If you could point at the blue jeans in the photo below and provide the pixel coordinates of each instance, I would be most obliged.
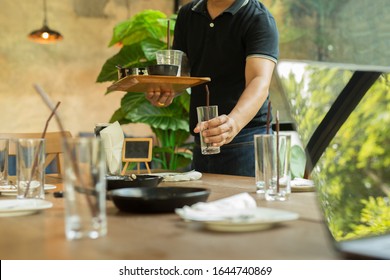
(235, 158)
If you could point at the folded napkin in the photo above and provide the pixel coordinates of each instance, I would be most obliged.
(302, 182)
(222, 209)
(187, 176)
(113, 138)
(302, 185)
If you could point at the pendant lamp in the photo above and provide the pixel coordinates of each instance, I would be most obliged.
(45, 35)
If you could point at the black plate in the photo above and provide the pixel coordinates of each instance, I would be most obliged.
(156, 200)
(119, 182)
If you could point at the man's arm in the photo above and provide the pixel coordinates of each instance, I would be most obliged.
(258, 75)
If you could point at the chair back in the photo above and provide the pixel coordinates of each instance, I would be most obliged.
(53, 145)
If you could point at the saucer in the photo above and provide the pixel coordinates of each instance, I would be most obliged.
(19, 207)
(244, 220)
(11, 189)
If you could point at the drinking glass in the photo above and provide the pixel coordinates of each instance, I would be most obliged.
(206, 113)
(30, 167)
(85, 188)
(272, 166)
(171, 57)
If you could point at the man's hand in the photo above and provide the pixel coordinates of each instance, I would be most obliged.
(159, 96)
(218, 131)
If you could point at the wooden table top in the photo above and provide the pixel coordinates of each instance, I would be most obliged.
(167, 236)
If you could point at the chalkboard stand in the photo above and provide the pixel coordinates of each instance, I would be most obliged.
(137, 150)
(138, 167)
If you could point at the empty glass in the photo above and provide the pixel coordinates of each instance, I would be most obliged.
(30, 168)
(206, 113)
(272, 166)
(85, 188)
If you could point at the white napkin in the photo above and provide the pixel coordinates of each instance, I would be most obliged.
(113, 138)
(222, 209)
(302, 182)
(187, 176)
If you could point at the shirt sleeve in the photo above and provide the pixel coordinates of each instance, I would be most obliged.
(262, 39)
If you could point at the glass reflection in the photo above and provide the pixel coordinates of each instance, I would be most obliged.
(353, 174)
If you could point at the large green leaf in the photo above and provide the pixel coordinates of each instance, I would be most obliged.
(135, 55)
(298, 161)
(118, 116)
(131, 101)
(136, 108)
(162, 118)
(172, 138)
(145, 25)
(149, 47)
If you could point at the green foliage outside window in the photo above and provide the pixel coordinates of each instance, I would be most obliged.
(360, 150)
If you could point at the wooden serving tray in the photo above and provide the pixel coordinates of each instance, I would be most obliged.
(144, 83)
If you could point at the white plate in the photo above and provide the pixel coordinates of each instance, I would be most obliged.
(11, 189)
(253, 219)
(19, 207)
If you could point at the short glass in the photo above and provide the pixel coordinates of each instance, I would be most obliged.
(30, 168)
(272, 166)
(85, 188)
(206, 113)
(171, 57)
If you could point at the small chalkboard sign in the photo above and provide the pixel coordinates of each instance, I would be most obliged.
(137, 150)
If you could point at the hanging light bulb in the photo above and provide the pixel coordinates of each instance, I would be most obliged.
(45, 35)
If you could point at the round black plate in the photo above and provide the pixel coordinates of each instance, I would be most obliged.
(156, 200)
(119, 182)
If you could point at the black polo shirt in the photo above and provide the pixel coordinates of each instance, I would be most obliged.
(218, 49)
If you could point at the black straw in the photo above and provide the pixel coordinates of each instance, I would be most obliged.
(207, 103)
(168, 35)
(76, 170)
(35, 163)
(268, 116)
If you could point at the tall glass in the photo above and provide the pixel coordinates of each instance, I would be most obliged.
(30, 168)
(206, 113)
(272, 166)
(85, 188)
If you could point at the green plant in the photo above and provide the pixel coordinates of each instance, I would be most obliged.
(141, 36)
(297, 161)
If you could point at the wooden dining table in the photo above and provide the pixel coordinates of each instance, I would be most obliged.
(166, 236)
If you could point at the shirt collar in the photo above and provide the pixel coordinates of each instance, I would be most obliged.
(201, 6)
(237, 5)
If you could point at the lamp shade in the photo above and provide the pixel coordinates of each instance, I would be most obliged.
(45, 35)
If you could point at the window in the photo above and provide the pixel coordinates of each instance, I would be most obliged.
(333, 82)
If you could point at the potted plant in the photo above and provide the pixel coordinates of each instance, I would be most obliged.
(140, 37)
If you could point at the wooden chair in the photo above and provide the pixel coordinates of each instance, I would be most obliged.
(53, 146)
